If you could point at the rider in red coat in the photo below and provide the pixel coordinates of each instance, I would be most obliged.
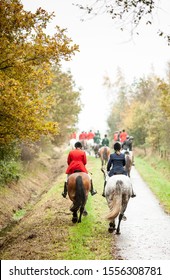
(76, 163)
(123, 136)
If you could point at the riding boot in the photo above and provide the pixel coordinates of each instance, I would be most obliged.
(93, 192)
(64, 193)
(103, 194)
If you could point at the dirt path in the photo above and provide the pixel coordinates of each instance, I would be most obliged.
(146, 233)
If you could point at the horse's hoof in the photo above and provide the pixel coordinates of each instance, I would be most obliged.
(110, 229)
(85, 213)
(124, 218)
(93, 192)
(74, 220)
(112, 225)
(118, 232)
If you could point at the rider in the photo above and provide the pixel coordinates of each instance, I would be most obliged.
(105, 141)
(76, 163)
(123, 136)
(97, 137)
(127, 146)
(116, 164)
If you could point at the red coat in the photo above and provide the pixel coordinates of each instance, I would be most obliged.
(90, 135)
(123, 136)
(76, 161)
(115, 137)
(73, 135)
(82, 136)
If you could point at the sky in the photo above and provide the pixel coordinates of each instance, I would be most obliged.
(104, 49)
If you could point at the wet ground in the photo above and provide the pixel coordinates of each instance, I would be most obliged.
(146, 233)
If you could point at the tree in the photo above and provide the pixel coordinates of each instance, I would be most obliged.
(164, 89)
(126, 13)
(119, 101)
(27, 56)
(66, 106)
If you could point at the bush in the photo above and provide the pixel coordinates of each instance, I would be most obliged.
(10, 171)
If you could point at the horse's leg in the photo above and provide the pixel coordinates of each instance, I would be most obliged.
(112, 226)
(118, 226)
(81, 212)
(75, 217)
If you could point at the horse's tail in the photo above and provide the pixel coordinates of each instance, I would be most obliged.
(105, 155)
(115, 201)
(80, 197)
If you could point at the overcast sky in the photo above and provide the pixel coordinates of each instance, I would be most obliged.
(103, 49)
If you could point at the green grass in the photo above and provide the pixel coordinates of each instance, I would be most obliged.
(90, 239)
(19, 214)
(156, 175)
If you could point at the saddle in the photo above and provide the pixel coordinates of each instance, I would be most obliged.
(76, 171)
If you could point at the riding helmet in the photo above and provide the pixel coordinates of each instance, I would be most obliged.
(78, 145)
(117, 146)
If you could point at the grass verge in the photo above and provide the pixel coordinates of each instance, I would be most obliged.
(90, 240)
(155, 173)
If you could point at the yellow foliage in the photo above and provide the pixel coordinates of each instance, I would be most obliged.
(27, 55)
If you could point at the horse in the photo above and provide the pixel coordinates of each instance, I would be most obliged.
(90, 145)
(104, 153)
(128, 165)
(78, 186)
(96, 148)
(84, 143)
(118, 191)
(72, 143)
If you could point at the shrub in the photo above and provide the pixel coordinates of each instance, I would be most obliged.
(10, 171)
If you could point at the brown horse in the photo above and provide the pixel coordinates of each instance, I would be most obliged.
(78, 186)
(104, 154)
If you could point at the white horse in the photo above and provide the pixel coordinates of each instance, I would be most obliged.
(90, 145)
(118, 190)
(72, 143)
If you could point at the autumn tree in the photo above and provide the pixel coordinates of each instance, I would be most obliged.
(119, 101)
(27, 56)
(66, 106)
(127, 14)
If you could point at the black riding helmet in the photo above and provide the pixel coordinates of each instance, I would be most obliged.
(78, 145)
(117, 146)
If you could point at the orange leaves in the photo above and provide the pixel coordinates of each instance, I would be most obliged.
(27, 54)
